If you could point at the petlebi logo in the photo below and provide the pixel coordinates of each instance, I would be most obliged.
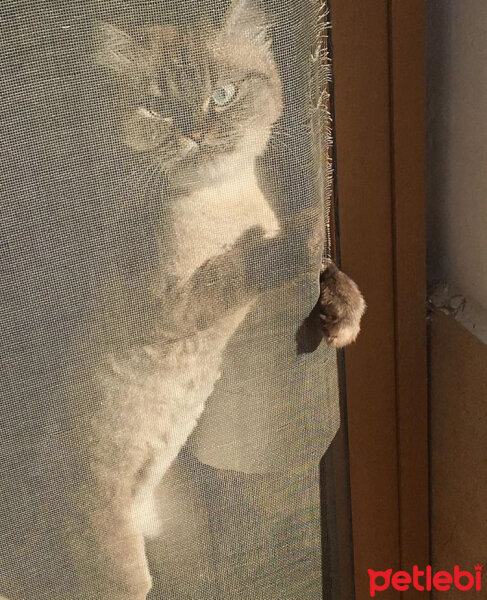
(426, 580)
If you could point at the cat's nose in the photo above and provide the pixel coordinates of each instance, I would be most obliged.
(196, 135)
(192, 127)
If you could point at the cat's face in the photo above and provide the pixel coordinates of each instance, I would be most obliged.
(199, 101)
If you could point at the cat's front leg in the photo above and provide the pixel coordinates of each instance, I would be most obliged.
(340, 306)
(108, 548)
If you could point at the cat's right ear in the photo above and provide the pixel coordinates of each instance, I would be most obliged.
(245, 18)
(114, 48)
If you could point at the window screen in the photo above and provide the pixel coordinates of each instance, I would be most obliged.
(164, 215)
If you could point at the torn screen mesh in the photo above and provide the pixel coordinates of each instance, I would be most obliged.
(165, 196)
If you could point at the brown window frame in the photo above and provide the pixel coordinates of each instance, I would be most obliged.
(378, 97)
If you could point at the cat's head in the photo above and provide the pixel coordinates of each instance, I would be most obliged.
(199, 100)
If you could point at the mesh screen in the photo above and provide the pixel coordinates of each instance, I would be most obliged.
(164, 215)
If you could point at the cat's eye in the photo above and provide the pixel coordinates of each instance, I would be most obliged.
(148, 109)
(224, 94)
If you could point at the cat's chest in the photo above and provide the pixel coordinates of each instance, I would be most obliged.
(209, 221)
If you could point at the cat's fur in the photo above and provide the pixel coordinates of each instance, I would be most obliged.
(174, 300)
(150, 395)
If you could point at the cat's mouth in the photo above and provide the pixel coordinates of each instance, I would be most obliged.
(193, 159)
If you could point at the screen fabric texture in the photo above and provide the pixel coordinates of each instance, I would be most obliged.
(164, 207)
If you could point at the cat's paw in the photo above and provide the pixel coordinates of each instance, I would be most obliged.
(340, 306)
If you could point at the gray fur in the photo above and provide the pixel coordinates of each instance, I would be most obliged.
(148, 390)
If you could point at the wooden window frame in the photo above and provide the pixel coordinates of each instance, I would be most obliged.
(378, 105)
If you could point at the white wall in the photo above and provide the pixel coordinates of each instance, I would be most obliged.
(457, 144)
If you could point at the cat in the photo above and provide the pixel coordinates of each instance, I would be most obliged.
(196, 107)
(199, 105)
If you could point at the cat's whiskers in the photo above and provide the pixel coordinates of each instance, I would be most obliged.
(292, 129)
(139, 182)
(143, 182)
(278, 133)
(301, 163)
(136, 175)
(276, 139)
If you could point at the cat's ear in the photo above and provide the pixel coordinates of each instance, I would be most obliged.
(114, 48)
(245, 18)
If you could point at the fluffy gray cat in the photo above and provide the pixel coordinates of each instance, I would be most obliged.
(197, 105)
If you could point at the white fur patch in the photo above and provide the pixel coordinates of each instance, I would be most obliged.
(174, 396)
(346, 336)
(348, 333)
(210, 220)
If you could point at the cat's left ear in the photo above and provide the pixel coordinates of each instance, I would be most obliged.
(114, 48)
(245, 18)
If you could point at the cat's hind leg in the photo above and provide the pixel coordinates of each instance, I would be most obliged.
(107, 546)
